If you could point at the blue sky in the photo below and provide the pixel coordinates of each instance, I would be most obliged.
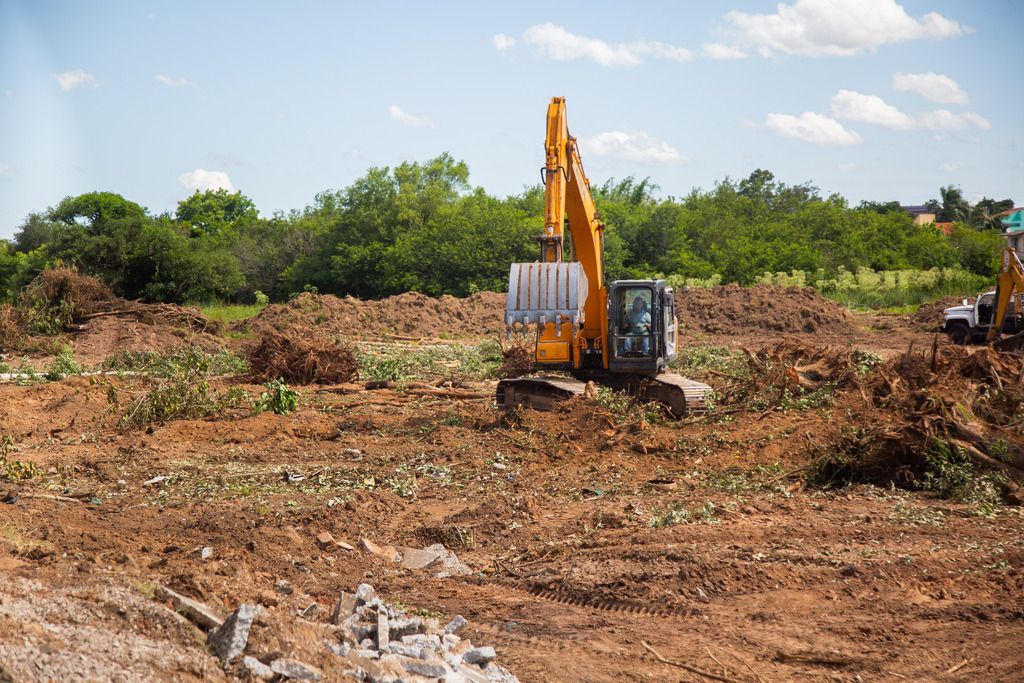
(868, 99)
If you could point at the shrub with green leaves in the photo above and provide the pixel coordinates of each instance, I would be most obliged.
(277, 398)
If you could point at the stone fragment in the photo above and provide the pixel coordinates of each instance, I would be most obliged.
(455, 625)
(197, 612)
(481, 656)
(421, 667)
(365, 595)
(284, 588)
(383, 630)
(496, 674)
(256, 668)
(206, 553)
(368, 651)
(325, 541)
(388, 552)
(449, 641)
(266, 598)
(467, 674)
(427, 641)
(344, 546)
(344, 608)
(448, 563)
(293, 668)
(310, 611)
(407, 626)
(418, 559)
(228, 641)
(413, 651)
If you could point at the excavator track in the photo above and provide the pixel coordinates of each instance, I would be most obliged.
(680, 395)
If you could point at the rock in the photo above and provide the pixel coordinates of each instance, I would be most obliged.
(266, 598)
(293, 668)
(344, 546)
(420, 667)
(197, 612)
(284, 588)
(365, 595)
(206, 553)
(256, 668)
(496, 674)
(383, 630)
(325, 541)
(455, 625)
(481, 656)
(310, 611)
(228, 641)
(407, 626)
(427, 641)
(408, 650)
(447, 562)
(418, 559)
(467, 674)
(344, 608)
(387, 552)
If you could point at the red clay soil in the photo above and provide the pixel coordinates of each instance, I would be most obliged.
(743, 570)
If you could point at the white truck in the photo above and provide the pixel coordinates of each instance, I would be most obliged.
(971, 323)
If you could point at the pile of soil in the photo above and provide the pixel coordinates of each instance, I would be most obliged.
(928, 316)
(299, 359)
(726, 309)
(734, 310)
(410, 314)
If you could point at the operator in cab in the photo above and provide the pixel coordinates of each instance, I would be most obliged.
(639, 324)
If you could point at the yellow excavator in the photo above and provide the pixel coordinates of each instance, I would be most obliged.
(1010, 281)
(994, 313)
(618, 333)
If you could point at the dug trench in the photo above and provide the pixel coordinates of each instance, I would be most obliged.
(810, 527)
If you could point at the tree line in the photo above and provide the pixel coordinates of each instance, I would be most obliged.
(423, 227)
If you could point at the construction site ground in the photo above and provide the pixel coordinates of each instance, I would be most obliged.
(730, 566)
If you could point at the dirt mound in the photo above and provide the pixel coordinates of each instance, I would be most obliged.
(298, 359)
(410, 314)
(928, 316)
(734, 310)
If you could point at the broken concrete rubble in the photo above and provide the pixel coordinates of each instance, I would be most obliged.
(228, 641)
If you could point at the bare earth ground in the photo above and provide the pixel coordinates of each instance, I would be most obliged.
(767, 579)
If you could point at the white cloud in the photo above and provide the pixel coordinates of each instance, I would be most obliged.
(173, 82)
(854, 106)
(722, 51)
(932, 86)
(410, 119)
(847, 167)
(73, 79)
(844, 28)
(5, 170)
(503, 42)
(634, 146)
(203, 181)
(870, 109)
(945, 120)
(560, 45)
(811, 127)
(949, 166)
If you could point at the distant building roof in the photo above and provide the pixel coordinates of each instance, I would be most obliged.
(946, 228)
(1007, 212)
(918, 210)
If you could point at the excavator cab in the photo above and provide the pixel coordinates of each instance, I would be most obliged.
(641, 325)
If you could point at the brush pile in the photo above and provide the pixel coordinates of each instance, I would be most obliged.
(301, 359)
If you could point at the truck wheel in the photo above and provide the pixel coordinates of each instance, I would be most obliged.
(959, 333)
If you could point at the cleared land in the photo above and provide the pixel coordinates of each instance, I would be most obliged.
(847, 511)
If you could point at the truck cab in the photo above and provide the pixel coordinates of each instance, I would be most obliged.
(970, 323)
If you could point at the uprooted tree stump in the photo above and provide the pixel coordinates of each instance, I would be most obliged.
(300, 359)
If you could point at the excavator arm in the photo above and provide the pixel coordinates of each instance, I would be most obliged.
(567, 195)
(1010, 281)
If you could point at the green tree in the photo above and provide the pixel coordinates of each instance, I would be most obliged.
(209, 212)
